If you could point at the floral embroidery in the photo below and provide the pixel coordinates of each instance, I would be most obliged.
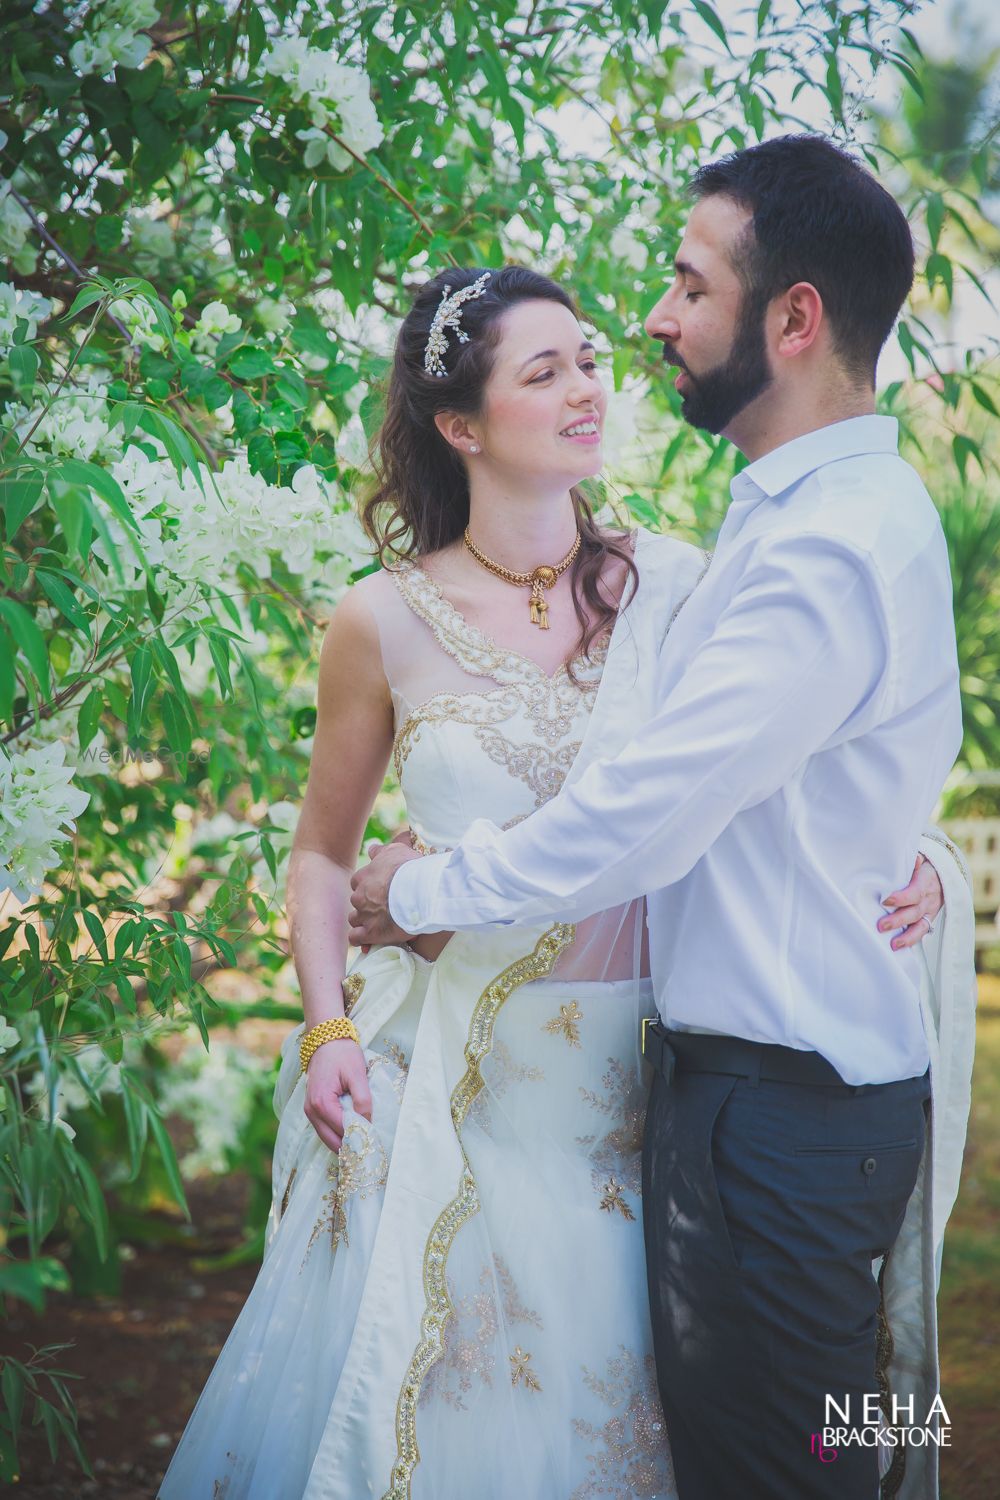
(352, 987)
(360, 1169)
(541, 769)
(612, 1199)
(500, 1073)
(285, 1194)
(471, 1335)
(521, 1371)
(455, 708)
(220, 1487)
(617, 1155)
(565, 1023)
(630, 1459)
(391, 1057)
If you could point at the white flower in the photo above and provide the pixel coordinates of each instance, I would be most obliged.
(218, 1092)
(111, 36)
(15, 228)
(150, 241)
(9, 1035)
(75, 424)
(625, 246)
(140, 322)
(16, 304)
(337, 96)
(38, 805)
(215, 320)
(352, 445)
(274, 313)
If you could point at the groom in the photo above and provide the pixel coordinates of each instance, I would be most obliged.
(809, 713)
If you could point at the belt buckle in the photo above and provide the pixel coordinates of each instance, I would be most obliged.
(662, 1057)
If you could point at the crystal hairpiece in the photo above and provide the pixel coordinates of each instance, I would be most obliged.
(449, 315)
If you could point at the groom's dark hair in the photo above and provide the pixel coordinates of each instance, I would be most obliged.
(818, 216)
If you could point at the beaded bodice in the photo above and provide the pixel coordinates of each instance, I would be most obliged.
(480, 731)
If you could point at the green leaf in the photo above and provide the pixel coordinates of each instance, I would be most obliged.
(96, 929)
(29, 638)
(256, 35)
(249, 363)
(63, 599)
(141, 668)
(711, 20)
(8, 683)
(86, 298)
(89, 717)
(72, 514)
(936, 212)
(23, 362)
(30, 1280)
(18, 498)
(965, 448)
(985, 399)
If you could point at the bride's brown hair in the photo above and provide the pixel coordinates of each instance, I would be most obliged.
(421, 499)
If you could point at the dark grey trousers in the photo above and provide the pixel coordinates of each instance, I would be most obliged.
(764, 1205)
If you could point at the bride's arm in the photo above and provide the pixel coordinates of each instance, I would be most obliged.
(351, 750)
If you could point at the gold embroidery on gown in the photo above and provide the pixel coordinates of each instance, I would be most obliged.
(438, 1308)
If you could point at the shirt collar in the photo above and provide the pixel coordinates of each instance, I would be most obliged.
(778, 470)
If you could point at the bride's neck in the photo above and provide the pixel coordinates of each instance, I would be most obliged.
(522, 531)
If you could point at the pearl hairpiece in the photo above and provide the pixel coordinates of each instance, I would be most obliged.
(448, 315)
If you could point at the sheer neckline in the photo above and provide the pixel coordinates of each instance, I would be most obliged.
(485, 647)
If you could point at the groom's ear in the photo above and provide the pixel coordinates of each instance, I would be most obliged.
(800, 318)
(454, 429)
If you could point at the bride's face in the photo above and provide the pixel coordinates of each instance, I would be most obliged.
(544, 406)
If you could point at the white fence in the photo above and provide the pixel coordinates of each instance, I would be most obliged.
(979, 841)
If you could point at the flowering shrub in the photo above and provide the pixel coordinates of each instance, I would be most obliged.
(211, 216)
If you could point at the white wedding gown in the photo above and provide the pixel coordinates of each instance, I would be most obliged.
(456, 1307)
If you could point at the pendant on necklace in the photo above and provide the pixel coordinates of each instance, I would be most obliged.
(542, 578)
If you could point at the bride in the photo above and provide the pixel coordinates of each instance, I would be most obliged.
(452, 1301)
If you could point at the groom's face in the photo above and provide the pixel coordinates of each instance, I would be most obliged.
(711, 328)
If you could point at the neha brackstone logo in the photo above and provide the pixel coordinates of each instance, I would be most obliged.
(840, 1429)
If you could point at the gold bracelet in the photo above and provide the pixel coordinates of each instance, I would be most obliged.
(339, 1029)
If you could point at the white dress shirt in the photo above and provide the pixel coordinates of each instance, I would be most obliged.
(810, 714)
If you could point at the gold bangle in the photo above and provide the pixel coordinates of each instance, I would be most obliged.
(338, 1029)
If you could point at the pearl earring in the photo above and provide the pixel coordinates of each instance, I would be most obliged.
(473, 447)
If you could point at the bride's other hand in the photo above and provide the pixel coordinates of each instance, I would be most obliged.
(336, 1069)
(915, 907)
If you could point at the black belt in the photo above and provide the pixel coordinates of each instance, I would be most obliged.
(693, 1052)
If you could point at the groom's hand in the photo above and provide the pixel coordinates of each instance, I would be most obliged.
(922, 899)
(369, 923)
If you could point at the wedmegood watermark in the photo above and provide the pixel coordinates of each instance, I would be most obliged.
(125, 755)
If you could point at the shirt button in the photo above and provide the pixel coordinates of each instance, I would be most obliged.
(868, 1165)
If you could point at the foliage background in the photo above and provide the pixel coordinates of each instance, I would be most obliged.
(212, 215)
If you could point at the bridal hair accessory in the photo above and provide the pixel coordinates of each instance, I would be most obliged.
(449, 315)
(542, 577)
(337, 1029)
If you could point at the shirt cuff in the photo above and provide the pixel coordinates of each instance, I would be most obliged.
(412, 891)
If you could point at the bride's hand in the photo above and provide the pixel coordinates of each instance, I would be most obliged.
(335, 1069)
(922, 898)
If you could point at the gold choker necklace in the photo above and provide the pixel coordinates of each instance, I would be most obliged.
(541, 578)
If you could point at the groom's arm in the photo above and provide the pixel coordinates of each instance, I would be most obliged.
(800, 653)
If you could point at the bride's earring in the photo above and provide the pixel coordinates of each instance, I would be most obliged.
(473, 447)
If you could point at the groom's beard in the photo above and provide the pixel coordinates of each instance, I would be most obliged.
(715, 398)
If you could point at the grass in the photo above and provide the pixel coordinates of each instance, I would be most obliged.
(969, 1301)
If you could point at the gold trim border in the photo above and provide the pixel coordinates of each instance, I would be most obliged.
(438, 1309)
